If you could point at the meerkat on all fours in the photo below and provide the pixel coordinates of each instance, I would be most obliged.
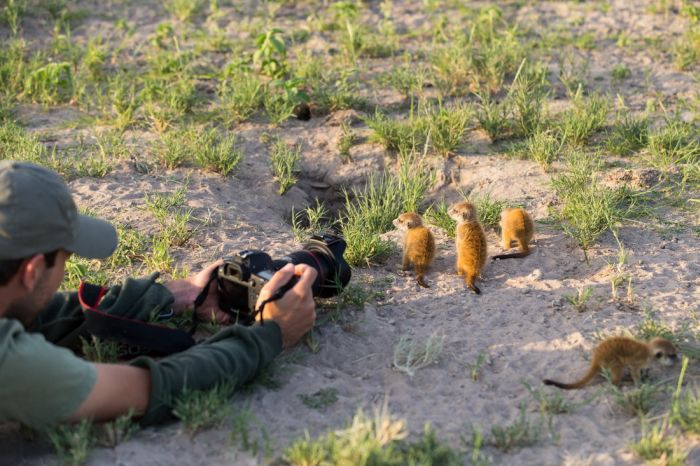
(470, 242)
(617, 353)
(418, 245)
(516, 225)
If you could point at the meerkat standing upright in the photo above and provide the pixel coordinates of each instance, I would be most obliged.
(418, 246)
(470, 241)
(616, 353)
(516, 225)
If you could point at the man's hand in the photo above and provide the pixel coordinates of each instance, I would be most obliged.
(295, 311)
(185, 291)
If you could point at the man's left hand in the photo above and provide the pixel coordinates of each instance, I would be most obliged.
(186, 290)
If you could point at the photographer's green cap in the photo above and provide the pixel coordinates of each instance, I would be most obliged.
(37, 214)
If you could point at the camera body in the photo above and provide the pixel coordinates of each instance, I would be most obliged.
(242, 276)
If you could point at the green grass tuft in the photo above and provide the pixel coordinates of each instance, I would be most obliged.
(203, 409)
(587, 209)
(283, 164)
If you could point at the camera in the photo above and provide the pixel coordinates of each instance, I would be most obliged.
(241, 277)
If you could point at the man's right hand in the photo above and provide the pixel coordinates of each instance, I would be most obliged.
(295, 311)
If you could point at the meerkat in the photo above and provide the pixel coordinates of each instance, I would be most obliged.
(418, 246)
(516, 225)
(616, 353)
(470, 241)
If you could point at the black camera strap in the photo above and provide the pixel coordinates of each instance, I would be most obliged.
(279, 292)
(201, 297)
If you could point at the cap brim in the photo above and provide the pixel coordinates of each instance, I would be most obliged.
(96, 239)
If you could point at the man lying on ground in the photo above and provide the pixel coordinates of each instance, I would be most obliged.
(43, 382)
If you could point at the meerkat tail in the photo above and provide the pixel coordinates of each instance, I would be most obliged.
(571, 386)
(421, 281)
(515, 255)
(420, 275)
(471, 285)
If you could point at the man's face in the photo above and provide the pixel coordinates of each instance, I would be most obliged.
(26, 308)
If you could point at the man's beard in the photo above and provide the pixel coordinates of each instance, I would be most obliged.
(26, 309)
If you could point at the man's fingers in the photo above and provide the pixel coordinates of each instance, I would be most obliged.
(280, 278)
(306, 278)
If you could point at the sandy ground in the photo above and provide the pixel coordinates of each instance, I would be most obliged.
(522, 321)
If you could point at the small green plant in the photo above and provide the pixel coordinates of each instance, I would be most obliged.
(96, 167)
(173, 148)
(241, 96)
(657, 444)
(175, 228)
(495, 117)
(677, 143)
(650, 328)
(579, 300)
(124, 100)
(117, 431)
(523, 432)
(17, 144)
(476, 366)
(50, 84)
(476, 456)
(313, 219)
(552, 402)
(437, 215)
(110, 145)
(528, 92)
(78, 268)
(320, 399)
(488, 209)
(283, 163)
(588, 115)
(543, 147)
(271, 53)
(409, 356)
(638, 401)
(446, 127)
(628, 135)
(100, 351)
(183, 10)
(687, 412)
(405, 79)
(365, 437)
(620, 72)
(573, 73)
(72, 442)
(331, 88)
(203, 409)
(587, 209)
(217, 152)
(346, 141)
(159, 259)
(12, 14)
(686, 50)
(397, 135)
(243, 434)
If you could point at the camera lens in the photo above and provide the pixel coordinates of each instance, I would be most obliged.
(325, 254)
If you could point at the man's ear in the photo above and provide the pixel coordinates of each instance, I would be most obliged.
(31, 270)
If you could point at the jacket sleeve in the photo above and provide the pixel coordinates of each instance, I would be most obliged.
(63, 322)
(234, 355)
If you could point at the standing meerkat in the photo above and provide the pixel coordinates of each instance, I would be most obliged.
(616, 353)
(418, 245)
(470, 241)
(516, 225)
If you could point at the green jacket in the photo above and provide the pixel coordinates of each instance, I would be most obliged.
(41, 383)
